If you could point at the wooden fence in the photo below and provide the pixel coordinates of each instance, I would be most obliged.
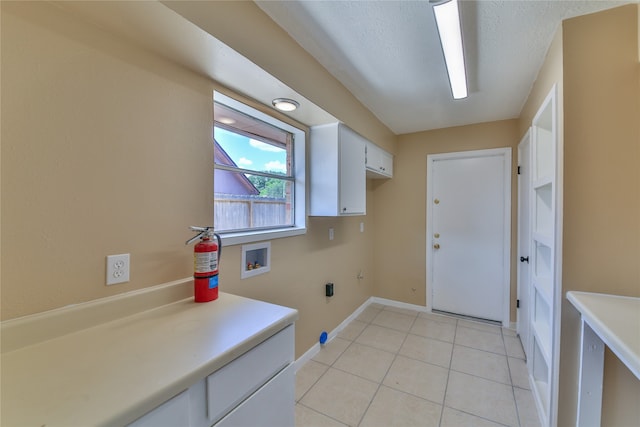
(232, 212)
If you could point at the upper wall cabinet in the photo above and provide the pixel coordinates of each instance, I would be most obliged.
(337, 171)
(379, 162)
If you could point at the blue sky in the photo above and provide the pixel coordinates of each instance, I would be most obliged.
(251, 154)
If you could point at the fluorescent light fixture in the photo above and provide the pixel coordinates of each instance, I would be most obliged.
(285, 104)
(448, 22)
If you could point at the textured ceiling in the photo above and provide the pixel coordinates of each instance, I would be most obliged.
(387, 53)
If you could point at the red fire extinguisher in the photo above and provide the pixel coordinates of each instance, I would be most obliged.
(206, 261)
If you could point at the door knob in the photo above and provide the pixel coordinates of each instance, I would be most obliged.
(436, 246)
(524, 259)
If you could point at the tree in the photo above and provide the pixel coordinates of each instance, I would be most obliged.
(267, 186)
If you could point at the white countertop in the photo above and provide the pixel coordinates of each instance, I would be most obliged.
(616, 319)
(113, 373)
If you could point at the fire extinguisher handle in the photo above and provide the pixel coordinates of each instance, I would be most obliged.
(202, 231)
(193, 239)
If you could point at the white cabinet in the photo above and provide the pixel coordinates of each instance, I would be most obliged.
(337, 171)
(229, 386)
(255, 389)
(379, 163)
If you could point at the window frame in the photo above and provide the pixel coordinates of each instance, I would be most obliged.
(299, 182)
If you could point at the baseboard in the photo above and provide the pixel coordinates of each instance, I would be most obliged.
(315, 349)
(308, 355)
(398, 304)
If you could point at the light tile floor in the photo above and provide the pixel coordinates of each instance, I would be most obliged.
(398, 367)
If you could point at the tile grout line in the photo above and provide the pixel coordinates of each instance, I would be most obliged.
(513, 392)
(446, 387)
(318, 412)
(352, 342)
(395, 356)
(497, 382)
(329, 367)
(376, 393)
(479, 349)
(480, 417)
(312, 385)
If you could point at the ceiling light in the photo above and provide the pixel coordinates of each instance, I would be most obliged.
(285, 104)
(227, 120)
(448, 22)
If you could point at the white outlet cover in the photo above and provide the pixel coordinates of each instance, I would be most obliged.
(117, 269)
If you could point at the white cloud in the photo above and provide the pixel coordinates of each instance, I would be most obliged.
(264, 146)
(276, 166)
(244, 162)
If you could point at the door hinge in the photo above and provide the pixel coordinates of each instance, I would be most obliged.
(519, 172)
(517, 303)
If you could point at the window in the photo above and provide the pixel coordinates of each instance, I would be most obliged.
(259, 190)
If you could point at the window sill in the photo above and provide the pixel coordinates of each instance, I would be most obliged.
(230, 239)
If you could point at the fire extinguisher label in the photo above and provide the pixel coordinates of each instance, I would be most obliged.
(205, 262)
(213, 282)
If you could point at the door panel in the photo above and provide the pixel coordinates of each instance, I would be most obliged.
(468, 235)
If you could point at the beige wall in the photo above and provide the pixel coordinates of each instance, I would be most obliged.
(549, 74)
(601, 190)
(106, 148)
(400, 206)
(100, 146)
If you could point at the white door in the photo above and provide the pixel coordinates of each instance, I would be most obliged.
(468, 221)
(524, 242)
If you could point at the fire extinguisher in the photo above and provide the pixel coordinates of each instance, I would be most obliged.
(206, 262)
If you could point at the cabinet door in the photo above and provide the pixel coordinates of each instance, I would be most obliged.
(379, 162)
(352, 181)
(373, 160)
(386, 163)
(272, 405)
(231, 384)
(174, 412)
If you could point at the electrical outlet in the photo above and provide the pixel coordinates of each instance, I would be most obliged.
(117, 269)
(331, 234)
